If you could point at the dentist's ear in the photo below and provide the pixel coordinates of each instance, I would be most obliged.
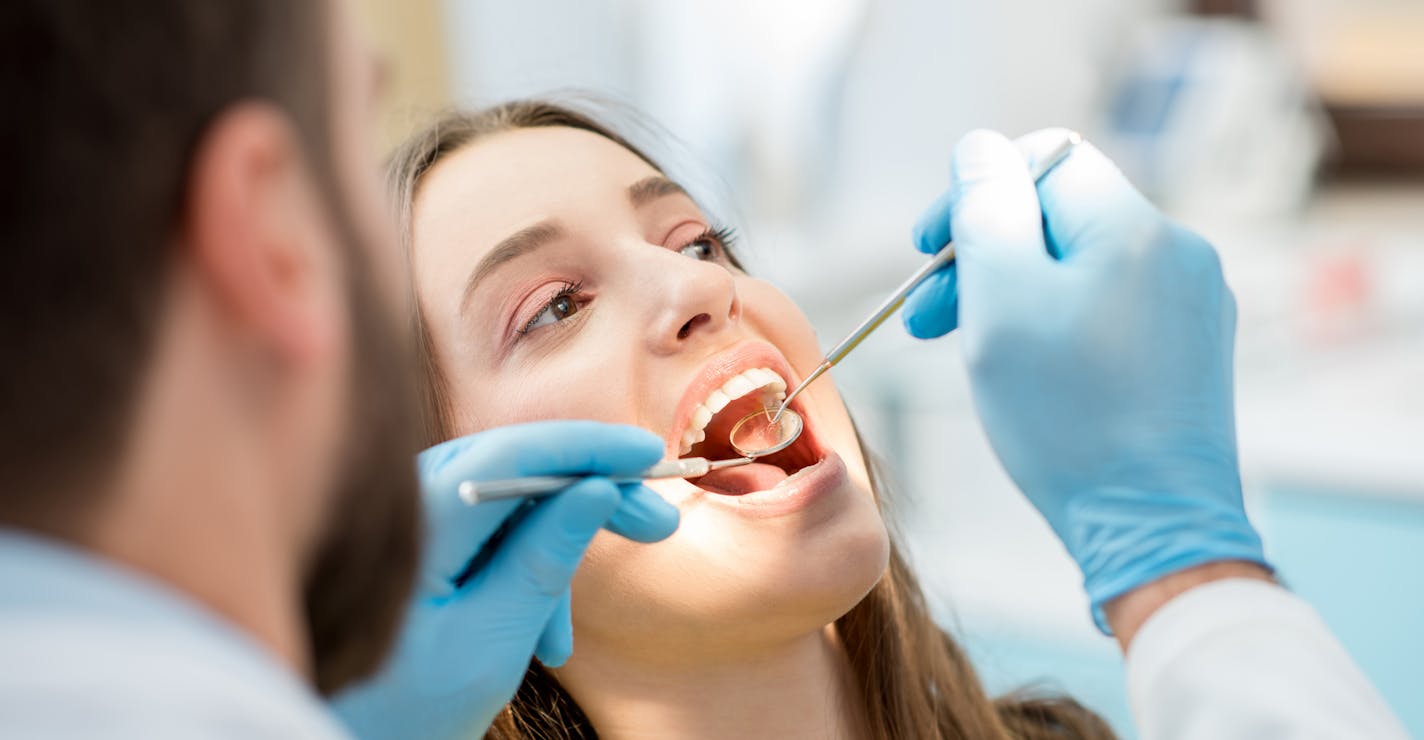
(255, 232)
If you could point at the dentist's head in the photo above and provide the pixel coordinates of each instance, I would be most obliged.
(203, 376)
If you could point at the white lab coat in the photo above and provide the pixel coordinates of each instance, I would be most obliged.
(1246, 659)
(90, 650)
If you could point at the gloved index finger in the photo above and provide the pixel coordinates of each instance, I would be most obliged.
(457, 531)
(541, 448)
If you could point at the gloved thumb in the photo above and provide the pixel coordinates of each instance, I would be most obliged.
(556, 642)
(990, 211)
(535, 563)
(643, 516)
(995, 213)
(1088, 204)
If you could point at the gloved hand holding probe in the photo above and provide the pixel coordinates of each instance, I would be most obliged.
(482, 607)
(1098, 336)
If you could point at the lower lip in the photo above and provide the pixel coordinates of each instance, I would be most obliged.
(791, 495)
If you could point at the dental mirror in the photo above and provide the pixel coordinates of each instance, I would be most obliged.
(757, 434)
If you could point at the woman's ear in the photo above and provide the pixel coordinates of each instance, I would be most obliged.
(258, 234)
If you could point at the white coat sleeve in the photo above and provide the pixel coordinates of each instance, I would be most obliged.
(1241, 658)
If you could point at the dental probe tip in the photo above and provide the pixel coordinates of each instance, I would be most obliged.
(734, 462)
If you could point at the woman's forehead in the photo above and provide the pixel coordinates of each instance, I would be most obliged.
(533, 166)
(509, 181)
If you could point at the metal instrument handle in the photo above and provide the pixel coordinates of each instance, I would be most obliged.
(477, 492)
(897, 299)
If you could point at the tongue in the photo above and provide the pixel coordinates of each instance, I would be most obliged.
(743, 479)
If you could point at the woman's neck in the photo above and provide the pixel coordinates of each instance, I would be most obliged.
(802, 689)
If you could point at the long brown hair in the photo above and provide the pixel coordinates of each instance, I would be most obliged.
(913, 679)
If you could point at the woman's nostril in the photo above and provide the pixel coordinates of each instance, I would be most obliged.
(695, 322)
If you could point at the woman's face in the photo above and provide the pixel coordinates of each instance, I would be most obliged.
(563, 277)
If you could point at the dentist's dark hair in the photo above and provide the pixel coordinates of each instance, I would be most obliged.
(913, 679)
(105, 103)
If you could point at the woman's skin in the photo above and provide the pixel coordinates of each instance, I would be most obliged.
(723, 630)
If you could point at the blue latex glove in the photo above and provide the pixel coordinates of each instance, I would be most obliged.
(468, 637)
(1098, 336)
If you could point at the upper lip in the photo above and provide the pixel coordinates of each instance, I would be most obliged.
(716, 371)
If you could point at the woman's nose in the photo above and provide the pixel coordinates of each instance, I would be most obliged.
(692, 301)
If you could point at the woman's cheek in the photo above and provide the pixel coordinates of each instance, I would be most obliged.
(781, 321)
(774, 315)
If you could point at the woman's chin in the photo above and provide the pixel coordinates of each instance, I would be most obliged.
(724, 585)
(743, 571)
(798, 584)
(822, 584)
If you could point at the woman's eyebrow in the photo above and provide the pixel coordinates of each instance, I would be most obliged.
(651, 188)
(514, 246)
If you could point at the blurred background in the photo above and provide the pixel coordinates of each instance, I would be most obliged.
(1290, 132)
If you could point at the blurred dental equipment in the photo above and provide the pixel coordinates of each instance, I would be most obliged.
(478, 492)
(1040, 169)
(1214, 116)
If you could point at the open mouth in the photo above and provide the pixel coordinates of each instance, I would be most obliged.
(710, 426)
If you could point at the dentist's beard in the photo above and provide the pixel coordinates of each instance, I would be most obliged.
(360, 580)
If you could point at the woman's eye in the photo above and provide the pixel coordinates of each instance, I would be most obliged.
(702, 249)
(558, 308)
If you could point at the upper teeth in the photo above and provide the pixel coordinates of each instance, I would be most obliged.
(772, 386)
